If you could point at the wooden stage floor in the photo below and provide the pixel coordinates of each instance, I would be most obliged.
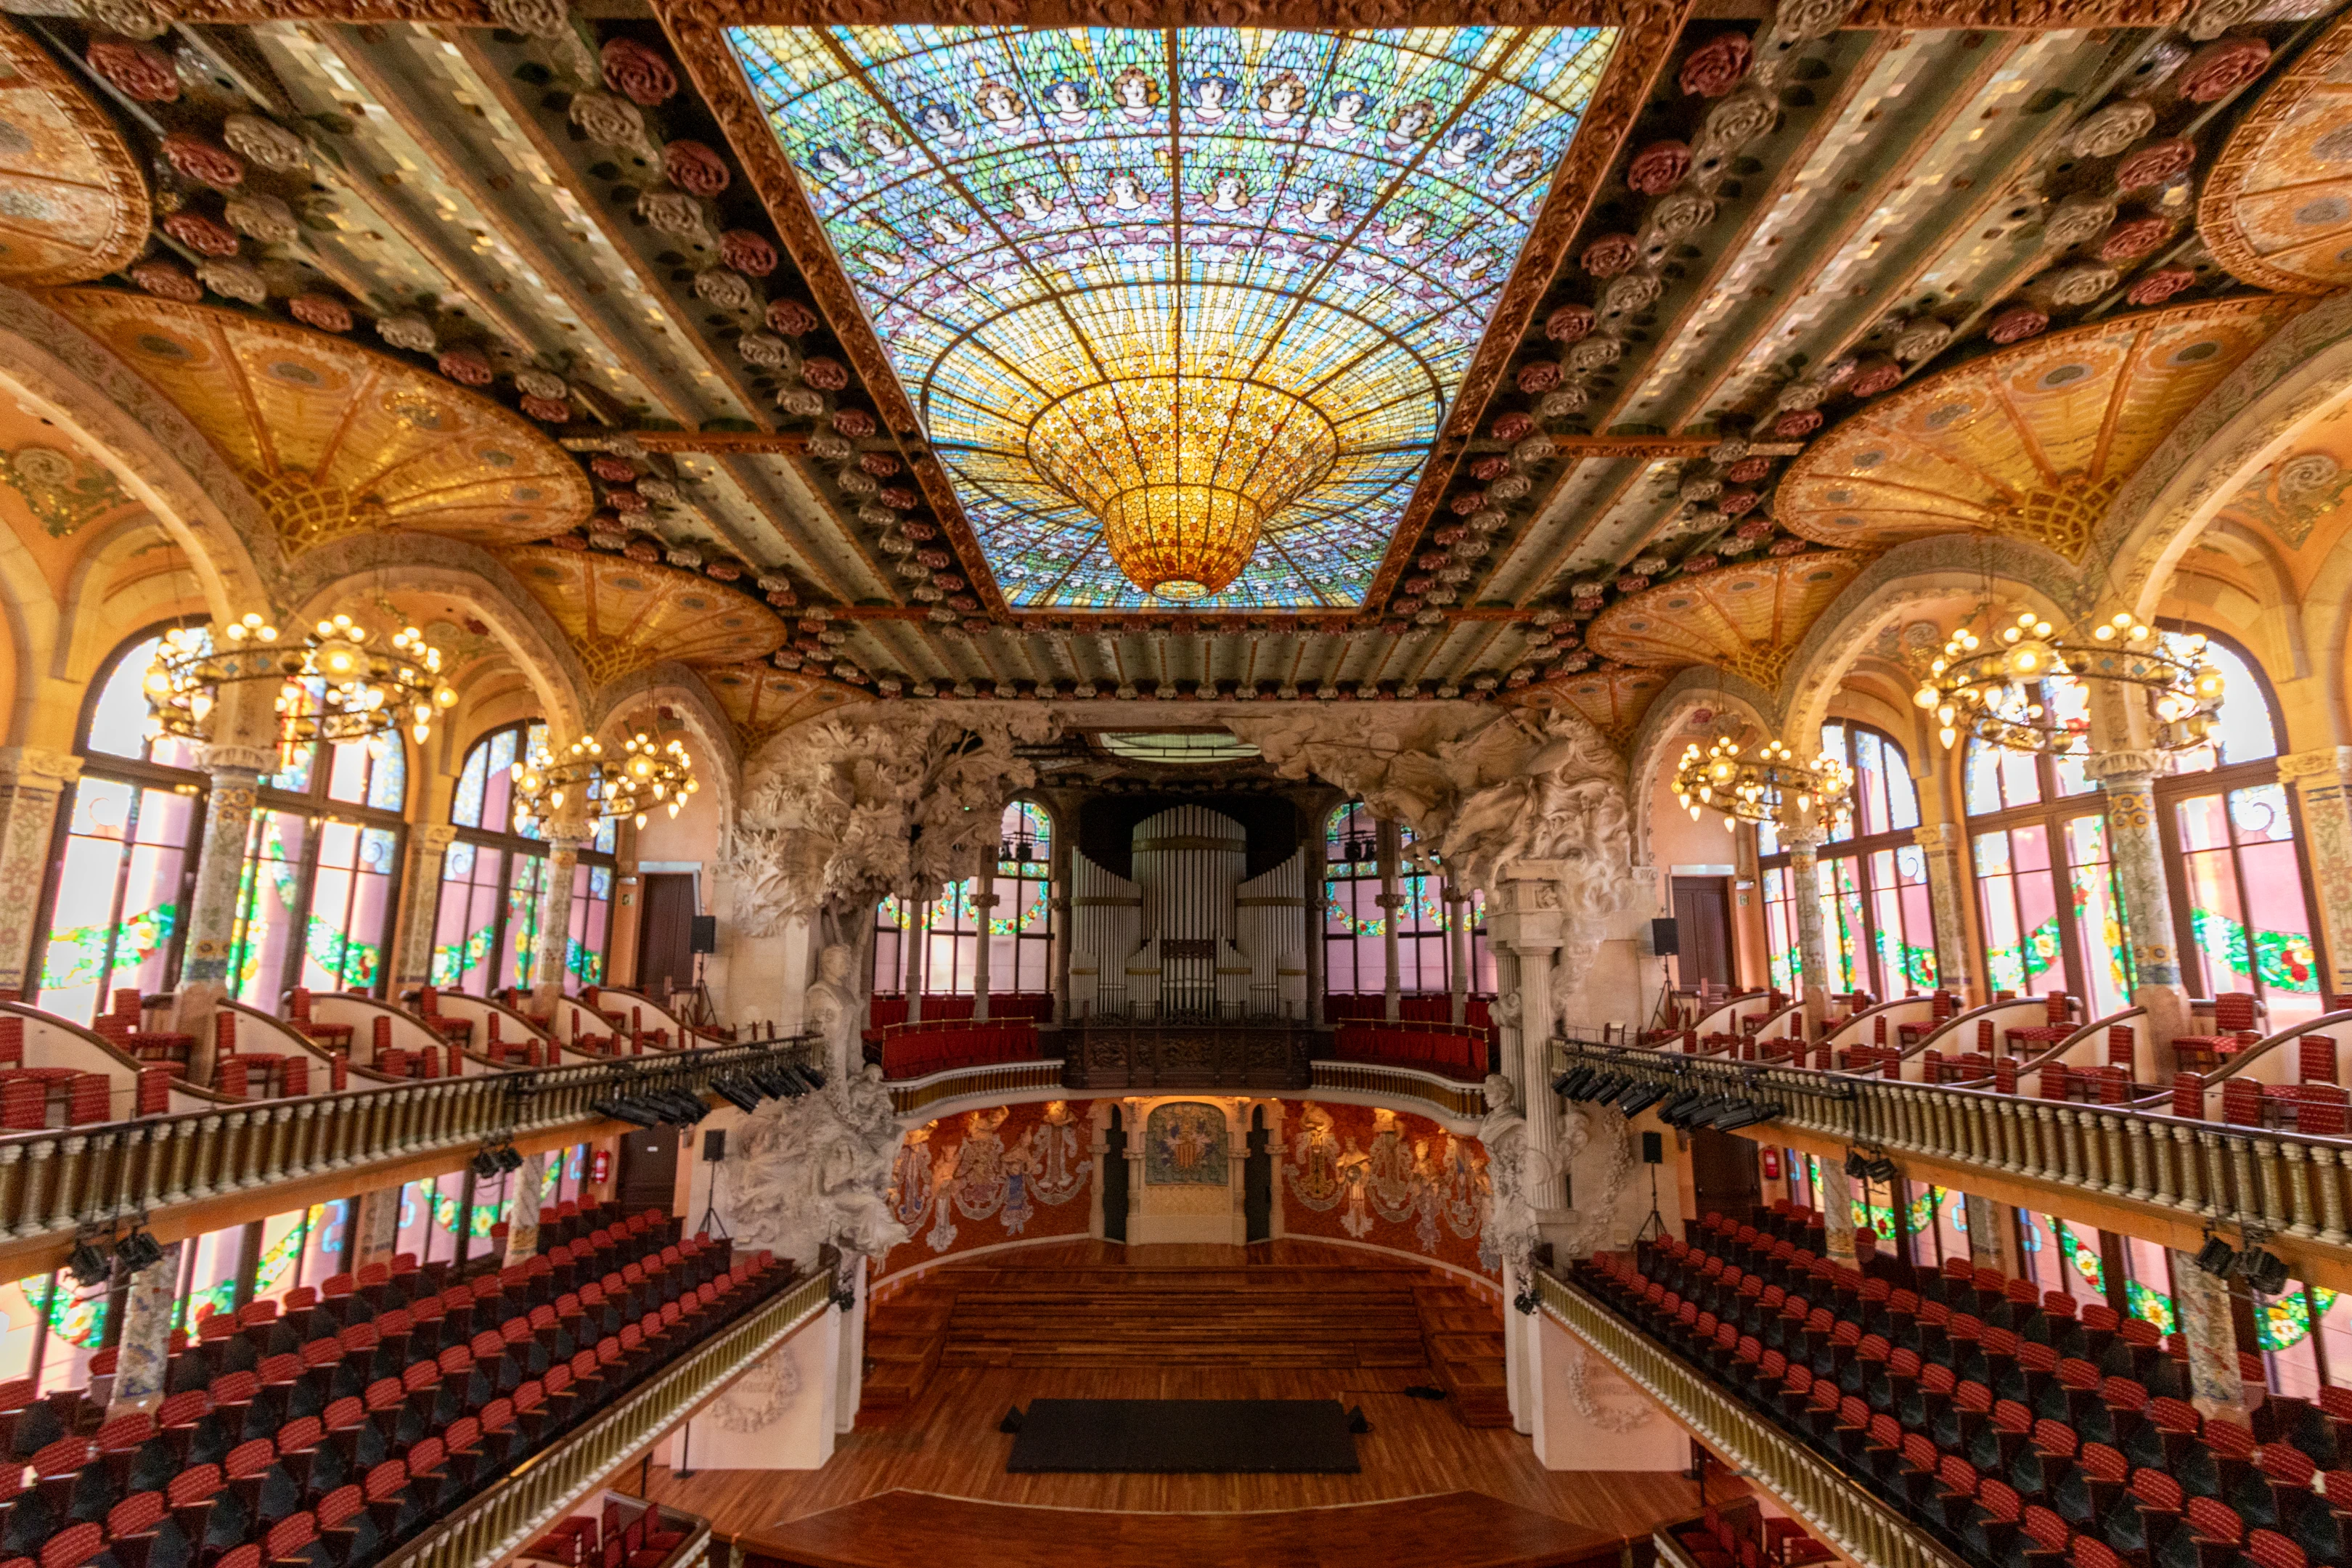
(946, 1444)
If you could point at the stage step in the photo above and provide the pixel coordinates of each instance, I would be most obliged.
(1463, 1338)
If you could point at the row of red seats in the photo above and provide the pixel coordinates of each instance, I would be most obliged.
(626, 1534)
(1454, 1054)
(1742, 1535)
(883, 1011)
(336, 1455)
(2034, 1457)
(914, 1050)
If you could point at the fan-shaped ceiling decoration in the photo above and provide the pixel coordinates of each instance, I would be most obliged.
(623, 614)
(1744, 619)
(72, 203)
(763, 701)
(1181, 310)
(1614, 700)
(2277, 208)
(333, 438)
(2031, 442)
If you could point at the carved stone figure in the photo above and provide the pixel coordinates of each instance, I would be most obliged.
(834, 1012)
(1511, 1229)
(815, 1172)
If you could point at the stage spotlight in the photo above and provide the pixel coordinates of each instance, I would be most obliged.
(741, 1095)
(1855, 1165)
(630, 1110)
(1671, 1112)
(2215, 1256)
(483, 1164)
(507, 1158)
(813, 1077)
(2265, 1270)
(1880, 1170)
(1641, 1100)
(1749, 1116)
(87, 1264)
(140, 1250)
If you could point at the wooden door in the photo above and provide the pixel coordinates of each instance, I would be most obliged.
(648, 1175)
(1257, 1182)
(665, 932)
(1114, 1179)
(1703, 929)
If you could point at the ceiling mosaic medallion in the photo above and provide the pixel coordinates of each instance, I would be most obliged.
(72, 202)
(763, 703)
(334, 438)
(2277, 209)
(1744, 619)
(2031, 442)
(1181, 310)
(1614, 700)
(624, 615)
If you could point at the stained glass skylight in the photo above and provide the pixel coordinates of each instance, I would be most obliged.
(1036, 220)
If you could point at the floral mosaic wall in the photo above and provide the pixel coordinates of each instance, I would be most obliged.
(1016, 1173)
(1352, 1172)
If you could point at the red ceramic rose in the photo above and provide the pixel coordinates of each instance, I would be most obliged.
(2221, 67)
(547, 410)
(2016, 324)
(2160, 285)
(2156, 163)
(854, 423)
(1540, 376)
(166, 281)
(747, 253)
(468, 367)
(638, 73)
(694, 168)
(1796, 424)
(139, 71)
(1610, 254)
(203, 162)
(1568, 324)
(791, 317)
(613, 470)
(200, 234)
(2134, 237)
(1658, 168)
(320, 311)
(1716, 67)
(1747, 470)
(1512, 427)
(824, 375)
(881, 465)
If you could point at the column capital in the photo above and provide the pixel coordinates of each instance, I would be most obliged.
(1391, 901)
(39, 765)
(218, 759)
(434, 836)
(2127, 767)
(986, 900)
(1937, 836)
(2327, 764)
(1804, 841)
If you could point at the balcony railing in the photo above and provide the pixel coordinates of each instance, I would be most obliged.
(2286, 1184)
(56, 1181)
(512, 1513)
(1384, 1082)
(1831, 1504)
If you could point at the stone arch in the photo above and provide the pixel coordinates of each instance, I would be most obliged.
(152, 449)
(474, 578)
(683, 688)
(1665, 729)
(2252, 419)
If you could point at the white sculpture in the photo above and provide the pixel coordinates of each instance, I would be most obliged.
(815, 1172)
(1510, 1156)
(836, 1012)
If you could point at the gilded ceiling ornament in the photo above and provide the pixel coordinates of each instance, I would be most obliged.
(266, 143)
(2107, 130)
(674, 213)
(138, 71)
(532, 18)
(239, 280)
(724, 289)
(2078, 219)
(265, 218)
(2212, 18)
(613, 121)
(138, 19)
(413, 333)
(1922, 340)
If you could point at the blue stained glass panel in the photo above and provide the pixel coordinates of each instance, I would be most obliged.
(1026, 213)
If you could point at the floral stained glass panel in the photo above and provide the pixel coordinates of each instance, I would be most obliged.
(1031, 216)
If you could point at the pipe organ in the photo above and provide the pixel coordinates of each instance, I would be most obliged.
(1189, 936)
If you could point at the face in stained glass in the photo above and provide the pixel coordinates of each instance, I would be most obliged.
(1050, 229)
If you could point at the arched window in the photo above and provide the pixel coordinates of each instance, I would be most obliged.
(494, 880)
(315, 900)
(1878, 928)
(2241, 902)
(124, 865)
(1355, 926)
(2046, 887)
(1020, 927)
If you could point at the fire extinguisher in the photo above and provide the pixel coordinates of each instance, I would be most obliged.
(600, 1166)
(1771, 1158)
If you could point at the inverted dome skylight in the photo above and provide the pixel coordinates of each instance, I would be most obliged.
(1213, 288)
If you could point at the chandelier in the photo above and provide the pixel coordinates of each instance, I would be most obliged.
(334, 685)
(642, 776)
(1990, 687)
(1182, 470)
(1770, 785)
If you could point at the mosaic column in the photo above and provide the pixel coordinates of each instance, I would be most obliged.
(1812, 949)
(1457, 952)
(33, 780)
(144, 1350)
(981, 905)
(553, 954)
(2128, 781)
(523, 1219)
(1939, 844)
(2323, 786)
(235, 772)
(1059, 901)
(1989, 1239)
(917, 942)
(1392, 908)
(1317, 913)
(1837, 1213)
(2212, 1341)
(375, 1228)
(420, 901)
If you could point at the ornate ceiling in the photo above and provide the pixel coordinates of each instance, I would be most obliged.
(1560, 356)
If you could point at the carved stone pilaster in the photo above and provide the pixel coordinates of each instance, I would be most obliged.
(33, 780)
(2322, 781)
(553, 951)
(1946, 888)
(420, 899)
(236, 773)
(2126, 781)
(1812, 946)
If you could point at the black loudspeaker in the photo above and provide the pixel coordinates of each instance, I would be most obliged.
(1653, 1148)
(1666, 942)
(704, 937)
(714, 1145)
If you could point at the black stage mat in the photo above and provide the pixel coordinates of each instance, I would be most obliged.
(1186, 1435)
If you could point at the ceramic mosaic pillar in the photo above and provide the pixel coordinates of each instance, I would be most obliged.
(1058, 900)
(918, 942)
(235, 772)
(2205, 1327)
(420, 901)
(1837, 1213)
(554, 950)
(375, 1228)
(1992, 1242)
(2127, 779)
(33, 780)
(145, 1347)
(1392, 900)
(2323, 786)
(1812, 951)
(523, 1219)
(984, 905)
(1457, 952)
(1317, 914)
(1939, 844)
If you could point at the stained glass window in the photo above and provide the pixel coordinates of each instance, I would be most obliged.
(1878, 930)
(1049, 227)
(1355, 926)
(1780, 929)
(2047, 889)
(494, 880)
(1020, 927)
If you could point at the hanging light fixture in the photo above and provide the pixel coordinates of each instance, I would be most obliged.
(336, 684)
(1770, 784)
(1990, 687)
(642, 775)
